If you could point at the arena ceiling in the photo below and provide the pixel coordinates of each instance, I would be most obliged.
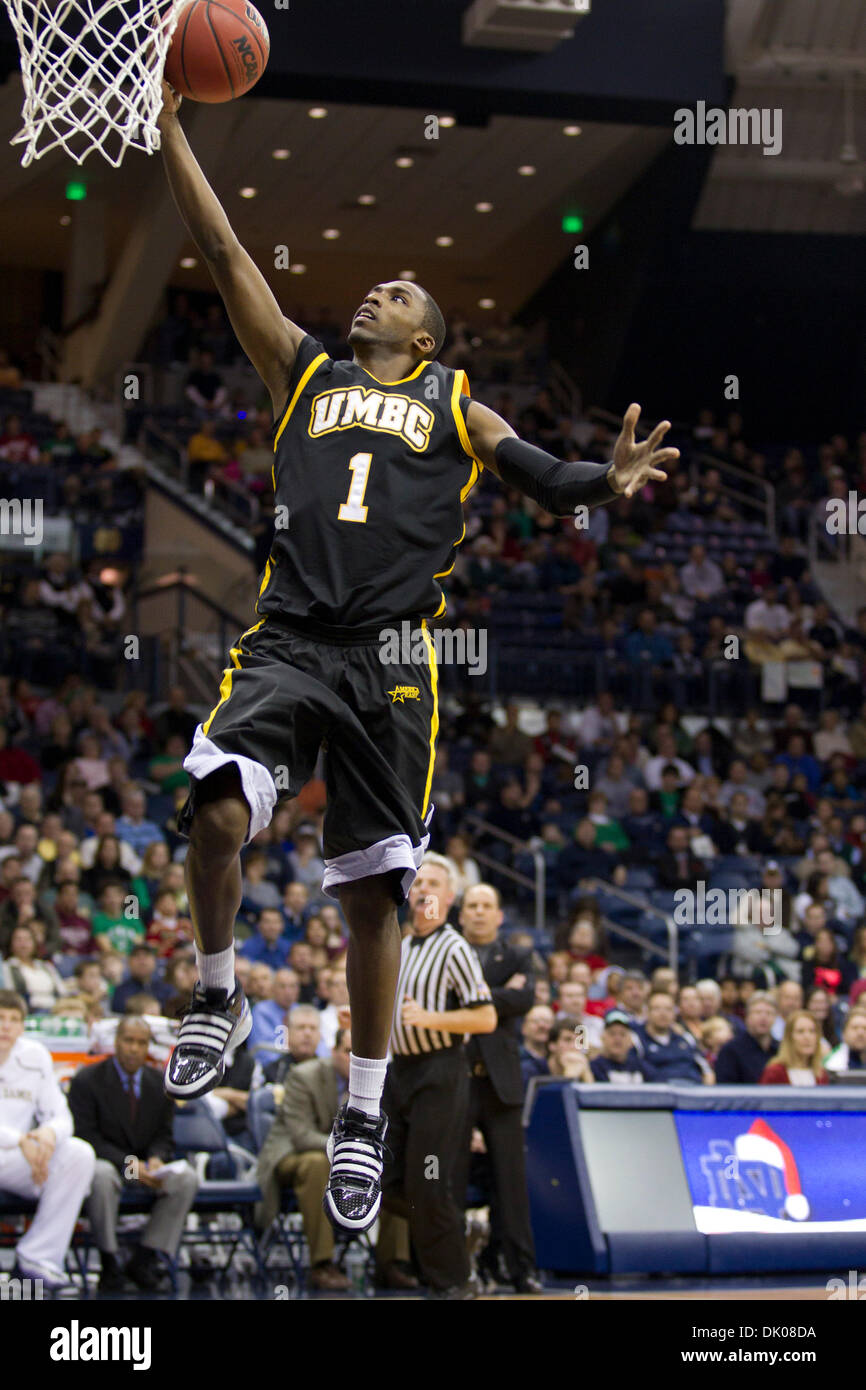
(808, 59)
(502, 254)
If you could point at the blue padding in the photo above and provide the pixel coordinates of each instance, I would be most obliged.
(773, 1098)
(719, 1098)
(564, 1222)
(657, 1252)
(736, 1253)
(603, 1096)
(223, 1195)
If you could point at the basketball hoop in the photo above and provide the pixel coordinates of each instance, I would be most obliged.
(92, 73)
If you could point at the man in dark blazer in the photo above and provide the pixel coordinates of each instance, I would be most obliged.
(741, 1061)
(496, 1085)
(120, 1108)
(678, 868)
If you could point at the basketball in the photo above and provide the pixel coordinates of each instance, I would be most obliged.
(218, 50)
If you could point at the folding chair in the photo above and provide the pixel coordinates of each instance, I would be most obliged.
(15, 1211)
(197, 1132)
(261, 1111)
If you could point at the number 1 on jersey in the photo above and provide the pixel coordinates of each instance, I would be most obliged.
(353, 508)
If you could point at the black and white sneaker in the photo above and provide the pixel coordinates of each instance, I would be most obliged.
(356, 1149)
(214, 1022)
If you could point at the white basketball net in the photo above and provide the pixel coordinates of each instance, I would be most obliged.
(92, 72)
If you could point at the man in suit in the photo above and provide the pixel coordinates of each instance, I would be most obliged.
(120, 1108)
(496, 1085)
(678, 868)
(294, 1155)
(142, 979)
(303, 1034)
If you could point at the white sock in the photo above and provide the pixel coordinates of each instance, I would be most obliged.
(366, 1082)
(217, 971)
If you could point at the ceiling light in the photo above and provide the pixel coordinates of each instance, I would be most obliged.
(367, 199)
(404, 162)
(487, 303)
(280, 154)
(317, 112)
(445, 241)
(526, 169)
(297, 269)
(65, 220)
(248, 192)
(330, 233)
(571, 130)
(406, 275)
(447, 121)
(483, 207)
(188, 262)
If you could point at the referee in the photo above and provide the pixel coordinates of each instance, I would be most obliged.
(441, 996)
(496, 1090)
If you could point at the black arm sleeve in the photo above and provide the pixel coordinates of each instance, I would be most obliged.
(556, 486)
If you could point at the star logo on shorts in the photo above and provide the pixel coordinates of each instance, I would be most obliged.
(404, 693)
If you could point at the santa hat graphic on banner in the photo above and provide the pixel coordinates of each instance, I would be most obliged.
(762, 1145)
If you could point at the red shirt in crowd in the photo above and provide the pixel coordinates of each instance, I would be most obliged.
(777, 1075)
(18, 766)
(19, 448)
(76, 934)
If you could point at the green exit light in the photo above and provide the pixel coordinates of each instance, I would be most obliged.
(572, 223)
(76, 192)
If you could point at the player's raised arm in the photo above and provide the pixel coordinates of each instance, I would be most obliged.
(268, 338)
(560, 486)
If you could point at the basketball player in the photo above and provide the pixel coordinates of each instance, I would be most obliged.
(373, 459)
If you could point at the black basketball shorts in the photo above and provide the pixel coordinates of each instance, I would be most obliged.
(284, 696)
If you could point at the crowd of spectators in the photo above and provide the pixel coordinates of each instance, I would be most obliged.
(59, 619)
(649, 595)
(617, 1026)
(659, 803)
(59, 616)
(93, 909)
(76, 475)
(622, 787)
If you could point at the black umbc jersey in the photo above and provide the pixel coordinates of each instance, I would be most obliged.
(369, 482)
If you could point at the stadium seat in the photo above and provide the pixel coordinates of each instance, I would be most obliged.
(728, 878)
(640, 880)
(197, 1132)
(15, 1212)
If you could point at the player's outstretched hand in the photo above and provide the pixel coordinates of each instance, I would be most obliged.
(171, 101)
(636, 464)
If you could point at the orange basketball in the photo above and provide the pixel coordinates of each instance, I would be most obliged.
(218, 50)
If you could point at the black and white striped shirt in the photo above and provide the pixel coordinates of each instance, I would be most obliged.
(440, 972)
